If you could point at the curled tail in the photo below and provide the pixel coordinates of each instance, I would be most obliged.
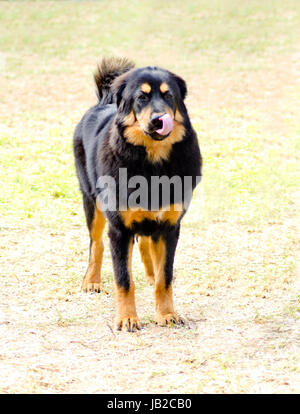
(107, 70)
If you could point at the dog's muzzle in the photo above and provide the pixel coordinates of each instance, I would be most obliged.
(161, 126)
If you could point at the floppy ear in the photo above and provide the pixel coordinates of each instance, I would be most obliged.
(118, 86)
(181, 85)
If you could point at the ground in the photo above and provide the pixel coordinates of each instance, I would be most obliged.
(237, 280)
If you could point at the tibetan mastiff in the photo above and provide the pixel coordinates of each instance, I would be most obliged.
(141, 128)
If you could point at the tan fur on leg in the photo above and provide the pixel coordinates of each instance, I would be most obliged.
(92, 278)
(165, 314)
(144, 246)
(126, 312)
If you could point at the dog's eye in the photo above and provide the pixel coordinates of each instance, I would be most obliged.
(143, 98)
(168, 95)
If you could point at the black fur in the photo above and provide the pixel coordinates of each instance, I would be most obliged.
(100, 148)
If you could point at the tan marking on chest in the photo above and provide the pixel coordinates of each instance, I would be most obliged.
(171, 214)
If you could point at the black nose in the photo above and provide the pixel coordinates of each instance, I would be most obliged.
(155, 122)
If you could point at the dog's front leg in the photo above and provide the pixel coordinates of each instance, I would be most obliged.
(163, 252)
(121, 244)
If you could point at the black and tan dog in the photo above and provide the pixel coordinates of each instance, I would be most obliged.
(121, 132)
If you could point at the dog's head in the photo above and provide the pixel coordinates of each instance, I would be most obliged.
(150, 105)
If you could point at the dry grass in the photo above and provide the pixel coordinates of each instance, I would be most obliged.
(237, 281)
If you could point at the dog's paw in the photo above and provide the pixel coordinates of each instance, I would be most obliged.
(169, 319)
(92, 285)
(128, 324)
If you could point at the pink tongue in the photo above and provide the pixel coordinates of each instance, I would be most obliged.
(167, 125)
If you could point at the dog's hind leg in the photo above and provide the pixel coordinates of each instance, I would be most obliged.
(96, 223)
(144, 247)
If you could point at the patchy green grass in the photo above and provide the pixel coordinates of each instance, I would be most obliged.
(37, 158)
(236, 267)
